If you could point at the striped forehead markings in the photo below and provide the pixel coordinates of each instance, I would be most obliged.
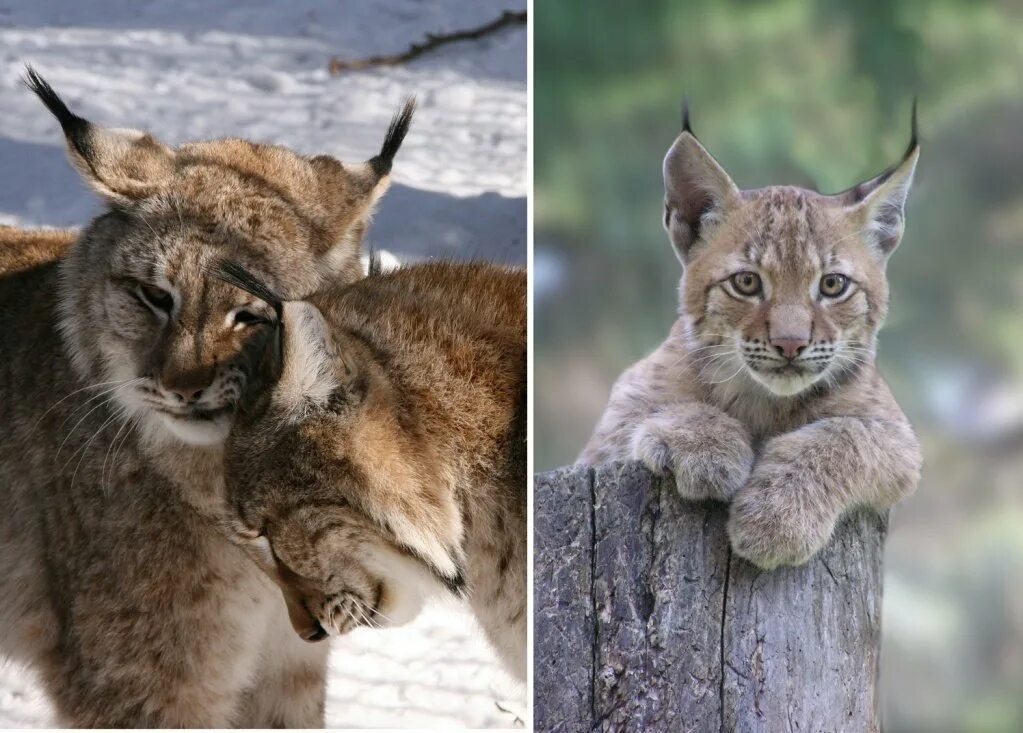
(753, 252)
(784, 232)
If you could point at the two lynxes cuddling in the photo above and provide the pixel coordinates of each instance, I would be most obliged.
(765, 394)
(145, 552)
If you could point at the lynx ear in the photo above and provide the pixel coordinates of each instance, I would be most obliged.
(122, 165)
(301, 363)
(310, 373)
(697, 191)
(352, 191)
(878, 206)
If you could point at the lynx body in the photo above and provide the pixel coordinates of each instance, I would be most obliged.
(766, 394)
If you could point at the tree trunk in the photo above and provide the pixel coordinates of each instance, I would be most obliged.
(646, 622)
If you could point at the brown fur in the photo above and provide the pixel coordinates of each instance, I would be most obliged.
(22, 250)
(388, 460)
(771, 399)
(118, 585)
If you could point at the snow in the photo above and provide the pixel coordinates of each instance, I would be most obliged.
(193, 69)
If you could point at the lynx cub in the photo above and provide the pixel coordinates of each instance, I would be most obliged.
(382, 456)
(121, 369)
(765, 393)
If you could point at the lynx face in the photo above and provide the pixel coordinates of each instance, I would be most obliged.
(156, 327)
(337, 570)
(785, 293)
(783, 288)
(141, 317)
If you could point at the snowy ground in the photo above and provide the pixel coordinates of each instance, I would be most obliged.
(190, 69)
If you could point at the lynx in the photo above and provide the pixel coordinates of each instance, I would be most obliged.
(119, 380)
(382, 456)
(766, 393)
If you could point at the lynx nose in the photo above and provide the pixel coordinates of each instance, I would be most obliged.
(187, 394)
(313, 634)
(789, 346)
(187, 387)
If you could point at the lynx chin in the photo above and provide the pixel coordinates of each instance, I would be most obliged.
(765, 393)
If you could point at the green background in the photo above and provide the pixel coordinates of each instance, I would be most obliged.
(817, 94)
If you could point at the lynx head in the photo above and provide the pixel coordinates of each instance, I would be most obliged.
(358, 527)
(138, 311)
(783, 288)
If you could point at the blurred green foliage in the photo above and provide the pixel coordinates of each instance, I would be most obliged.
(816, 94)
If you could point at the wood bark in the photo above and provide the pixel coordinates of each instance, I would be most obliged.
(645, 621)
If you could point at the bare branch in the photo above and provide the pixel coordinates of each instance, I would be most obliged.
(432, 42)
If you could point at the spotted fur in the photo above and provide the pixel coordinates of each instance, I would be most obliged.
(766, 393)
(122, 366)
(387, 461)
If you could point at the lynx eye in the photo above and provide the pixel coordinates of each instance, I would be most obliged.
(833, 285)
(746, 283)
(242, 317)
(156, 298)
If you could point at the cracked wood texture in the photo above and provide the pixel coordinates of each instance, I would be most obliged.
(644, 621)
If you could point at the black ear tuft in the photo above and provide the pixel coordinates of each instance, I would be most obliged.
(914, 137)
(237, 276)
(234, 274)
(76, 129)
(456, 584)
(374, 262)
(396, 131)
(686, 127)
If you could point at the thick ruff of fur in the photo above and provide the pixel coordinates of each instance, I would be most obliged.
(387, 461)
(123, 362)
(765, 394)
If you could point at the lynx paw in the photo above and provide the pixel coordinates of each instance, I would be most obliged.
(709, 461)
(775, 520)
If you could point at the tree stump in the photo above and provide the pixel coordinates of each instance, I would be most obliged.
(644, 621)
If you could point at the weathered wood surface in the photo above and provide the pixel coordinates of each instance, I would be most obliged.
(644, 621)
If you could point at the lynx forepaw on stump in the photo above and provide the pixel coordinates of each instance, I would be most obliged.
(713, 462)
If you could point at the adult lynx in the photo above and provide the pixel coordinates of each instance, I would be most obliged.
(386, 460)
(120, 373)
(765, 394)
